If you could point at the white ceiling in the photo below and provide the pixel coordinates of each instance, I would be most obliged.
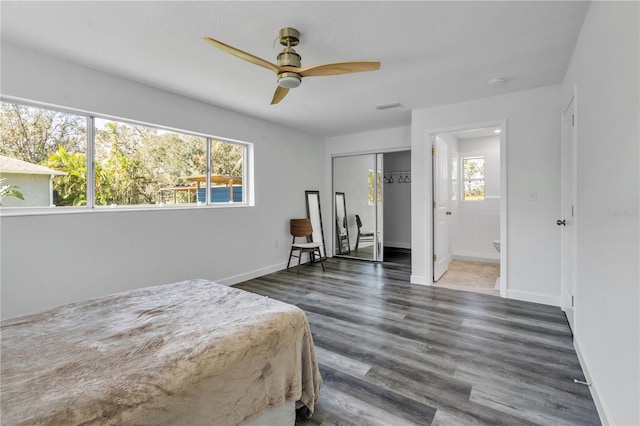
(432, 53)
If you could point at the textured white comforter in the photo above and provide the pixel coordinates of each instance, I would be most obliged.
(192, 353)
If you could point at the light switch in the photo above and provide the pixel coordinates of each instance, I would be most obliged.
(532, 195)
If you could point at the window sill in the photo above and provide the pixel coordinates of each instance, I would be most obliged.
(45, 211)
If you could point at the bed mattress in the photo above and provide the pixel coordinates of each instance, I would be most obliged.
(193, 352)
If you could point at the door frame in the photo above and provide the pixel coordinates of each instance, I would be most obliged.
(504, 218)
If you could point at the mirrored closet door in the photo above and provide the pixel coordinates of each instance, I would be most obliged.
(357, 221)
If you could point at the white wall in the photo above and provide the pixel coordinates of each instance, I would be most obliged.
(604, 69)
(377, 141)
(533, 158)
(48, 260)
(397, 200)
(476, 224)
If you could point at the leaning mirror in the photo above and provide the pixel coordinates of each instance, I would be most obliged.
(315, 215)
(342, 229)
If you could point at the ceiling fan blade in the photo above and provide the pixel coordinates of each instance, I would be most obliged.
(338, 68)
(279, 95)
(243, 55)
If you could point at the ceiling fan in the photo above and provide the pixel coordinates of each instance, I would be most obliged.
(288, 69)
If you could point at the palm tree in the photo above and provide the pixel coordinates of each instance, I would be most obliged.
(9, 191)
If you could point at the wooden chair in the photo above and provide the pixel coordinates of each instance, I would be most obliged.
(302, 228)
(362, 236)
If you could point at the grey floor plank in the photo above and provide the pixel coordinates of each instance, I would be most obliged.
(399, 354)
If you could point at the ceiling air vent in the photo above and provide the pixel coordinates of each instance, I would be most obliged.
(389, 106)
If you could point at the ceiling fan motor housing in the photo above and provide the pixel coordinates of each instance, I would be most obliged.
(289, 58)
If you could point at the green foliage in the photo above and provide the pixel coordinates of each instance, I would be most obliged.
(133, 164)
(9, 191)
(473, 168)
(33, 134)
(226, 159)
(372, 176)
(473, 173)
(71, 188)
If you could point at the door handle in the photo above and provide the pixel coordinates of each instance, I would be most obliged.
(562, 222)
(448, 213)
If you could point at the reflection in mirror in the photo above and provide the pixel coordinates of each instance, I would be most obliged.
(342, 228)
(361, 177)
(315, 214)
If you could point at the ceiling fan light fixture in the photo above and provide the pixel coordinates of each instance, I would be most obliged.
(289, 80)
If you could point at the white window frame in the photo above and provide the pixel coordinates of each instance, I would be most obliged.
(248, 196)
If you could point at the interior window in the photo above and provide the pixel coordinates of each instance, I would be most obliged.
(473, 178)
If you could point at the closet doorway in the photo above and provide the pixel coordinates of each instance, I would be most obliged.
(372, 205)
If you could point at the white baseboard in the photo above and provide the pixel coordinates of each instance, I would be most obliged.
(482, 256)
(534, 297)
(477, 259)
(397, 245)
(602, 411)
(229, 281)
(419, 279)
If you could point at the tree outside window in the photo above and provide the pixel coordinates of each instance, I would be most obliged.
(372, 176)
(133, 164)
(473, 178)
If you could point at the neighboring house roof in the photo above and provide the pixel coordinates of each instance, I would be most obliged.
(12, 165)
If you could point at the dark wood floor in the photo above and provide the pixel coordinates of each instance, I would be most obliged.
(392, 353)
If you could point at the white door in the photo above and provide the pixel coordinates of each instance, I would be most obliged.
(441, 211)
(567, 219)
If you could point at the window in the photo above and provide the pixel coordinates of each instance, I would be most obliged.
(44, 156)
(473, 178)
(137, 165)
(133, 164)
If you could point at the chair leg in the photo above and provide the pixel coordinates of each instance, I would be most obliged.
(290, 254)
(320, 256)
(299, 258)
(357, 242)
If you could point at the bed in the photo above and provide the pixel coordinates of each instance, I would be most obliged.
(193, 352)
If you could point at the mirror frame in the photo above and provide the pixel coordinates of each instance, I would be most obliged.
(309, 195)
(344, 209)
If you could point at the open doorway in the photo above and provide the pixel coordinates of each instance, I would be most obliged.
(469, 209)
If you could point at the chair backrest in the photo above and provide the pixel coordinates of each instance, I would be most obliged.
(358, 221)
(300, 227)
